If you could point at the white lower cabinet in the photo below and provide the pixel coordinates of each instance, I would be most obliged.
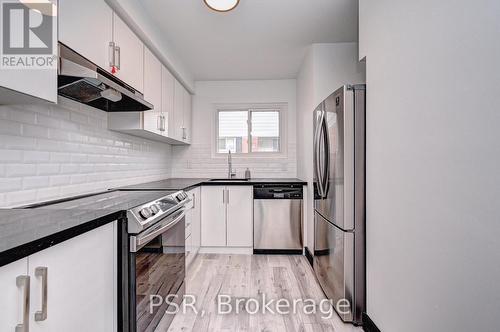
(213, 216)
(193, 225)
(227, 217)
(11, 299)
(239, 216)
(76, 279)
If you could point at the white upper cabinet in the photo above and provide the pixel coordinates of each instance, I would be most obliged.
(129, 55)
(31, 83)
(187, 117)
(87, 27)
(92, 29)
(153, 120)
(167, 95)
(176, 128)
(180, 128)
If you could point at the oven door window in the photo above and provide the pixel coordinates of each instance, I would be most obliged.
(160, 272)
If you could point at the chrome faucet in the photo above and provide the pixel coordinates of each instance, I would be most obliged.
(230, 172)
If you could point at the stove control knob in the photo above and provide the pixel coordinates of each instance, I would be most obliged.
(155, 209)
(146, 213)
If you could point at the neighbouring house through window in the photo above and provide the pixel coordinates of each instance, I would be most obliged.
(246, 131)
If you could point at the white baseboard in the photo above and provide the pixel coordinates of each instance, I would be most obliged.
(227, 250)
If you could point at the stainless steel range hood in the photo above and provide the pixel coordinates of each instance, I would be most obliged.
(82, 81)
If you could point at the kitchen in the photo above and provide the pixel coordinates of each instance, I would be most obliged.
(213, 156)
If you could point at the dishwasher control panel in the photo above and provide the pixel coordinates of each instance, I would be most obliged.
(277, 191)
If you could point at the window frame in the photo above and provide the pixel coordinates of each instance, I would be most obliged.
(280, 108)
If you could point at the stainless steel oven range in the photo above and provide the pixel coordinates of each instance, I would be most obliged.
(156, 261)
(150, 247)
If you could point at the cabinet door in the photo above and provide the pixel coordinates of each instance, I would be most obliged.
(81, 283)
(167, 89)
(130, 57)
(213, 212)
(87, 27)
(152, 92)
(21, 84)
(240, 216)
(196, 219)
(11, 300)
(187, 118)
(178, 116)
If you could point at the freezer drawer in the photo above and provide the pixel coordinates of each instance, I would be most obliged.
(278, 224)
(334, 266)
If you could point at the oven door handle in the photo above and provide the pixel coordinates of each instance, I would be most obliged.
(140, 240)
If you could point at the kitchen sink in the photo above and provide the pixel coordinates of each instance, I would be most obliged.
(228, 180)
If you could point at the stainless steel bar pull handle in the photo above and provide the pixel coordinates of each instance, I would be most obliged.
(317, 151)
(326, 168)
(24, 282)
(42, 272)
(112, 54)
(159, 121)
(119, 62)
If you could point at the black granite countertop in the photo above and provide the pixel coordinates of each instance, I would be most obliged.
(189, 183)
(26, 231)
(39, 226)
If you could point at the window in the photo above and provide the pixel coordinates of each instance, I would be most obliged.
(249, 131)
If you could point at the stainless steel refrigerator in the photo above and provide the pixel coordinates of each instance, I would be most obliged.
(339, 200)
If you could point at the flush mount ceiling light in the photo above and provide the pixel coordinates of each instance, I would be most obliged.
(222, 5)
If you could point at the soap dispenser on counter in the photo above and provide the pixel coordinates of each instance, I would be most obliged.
(248, 175)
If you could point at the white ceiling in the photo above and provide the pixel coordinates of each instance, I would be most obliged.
(260, 39)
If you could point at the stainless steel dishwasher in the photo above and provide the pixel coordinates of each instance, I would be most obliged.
(278, 219)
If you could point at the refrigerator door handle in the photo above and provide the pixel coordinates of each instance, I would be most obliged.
(326, 168)
(317, 136)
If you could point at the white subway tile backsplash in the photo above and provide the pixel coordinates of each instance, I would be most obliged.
(35, 182)
(78, 117)
(60, 180)
(45, 194)
(79, 178)
(35, 156)
(21, 197)
(60, 157)
(12, 170)
(69, 168)
(53, 151)
(48, 121)
(10, 128)
(35, 131)
(17, 142)
(48, 169)
(23, 116)
(10, 184)
(10, 156)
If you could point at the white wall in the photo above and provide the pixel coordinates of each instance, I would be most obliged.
(198, 160)
(325, 68)
(433, 161)
(56, 151)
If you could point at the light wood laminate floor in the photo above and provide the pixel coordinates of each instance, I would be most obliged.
(244, 277)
